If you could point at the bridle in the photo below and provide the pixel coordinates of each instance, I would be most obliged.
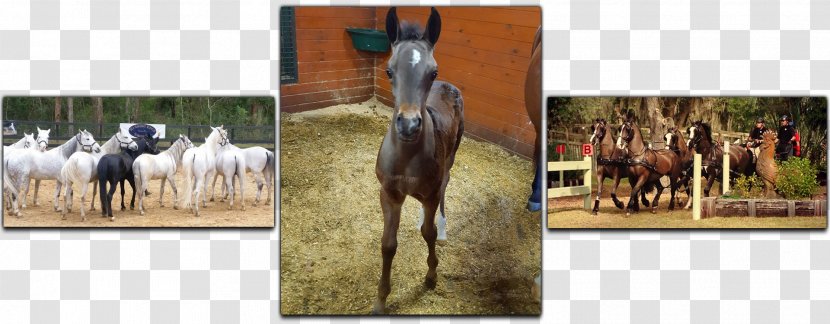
(695, 141)
(86, 147)
(628, 130)
(122, 144)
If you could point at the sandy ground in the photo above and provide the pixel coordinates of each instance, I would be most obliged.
(331, 225)
(568, 212)
(215, 215)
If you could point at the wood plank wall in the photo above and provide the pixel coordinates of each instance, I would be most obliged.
(331, 71)
(485, 52)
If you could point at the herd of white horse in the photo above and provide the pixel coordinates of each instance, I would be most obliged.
(75, 162)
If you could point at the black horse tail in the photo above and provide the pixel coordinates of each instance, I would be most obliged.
(102, 185)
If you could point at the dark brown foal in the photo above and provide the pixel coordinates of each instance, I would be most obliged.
(419, 148)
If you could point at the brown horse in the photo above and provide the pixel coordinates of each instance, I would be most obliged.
(533, 105)
(609, 163)
(740, 161)
(419, 148)
(647, 166)
(676, 143)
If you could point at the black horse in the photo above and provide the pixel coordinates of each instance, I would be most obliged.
(115, 168)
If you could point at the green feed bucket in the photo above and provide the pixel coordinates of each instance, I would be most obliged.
(372, 40)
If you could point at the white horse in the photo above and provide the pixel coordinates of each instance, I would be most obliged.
(258, 161)
(162, 166)
(31, 164)
(42, 144)
(27, 141)
(198, 163)
(230, 162)
(81, 168)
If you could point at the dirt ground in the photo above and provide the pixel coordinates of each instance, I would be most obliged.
(331, 224)
(568, 212)
(215, 215)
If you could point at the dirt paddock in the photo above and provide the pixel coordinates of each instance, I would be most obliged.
(331, 224)
(568, 212)
(215, 215)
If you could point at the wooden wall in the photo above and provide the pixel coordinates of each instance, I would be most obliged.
(331, 71)
(485, 52)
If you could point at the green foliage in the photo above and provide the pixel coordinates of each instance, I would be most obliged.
(796, 179)
(748, 187)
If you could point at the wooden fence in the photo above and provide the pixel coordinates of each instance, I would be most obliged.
(584, 190)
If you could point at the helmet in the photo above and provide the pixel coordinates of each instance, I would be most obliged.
(759, 120)
(785, 117)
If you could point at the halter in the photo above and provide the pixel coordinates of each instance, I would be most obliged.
(25, 144)
(121, 144)
(40, 140)
(86, 147)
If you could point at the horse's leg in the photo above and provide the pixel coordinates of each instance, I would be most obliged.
(534, 202)
(37, 187)
(673, 186)
(259, 184)
(161, 193)
(123, 206)
(659, 187)
(391, 205)
(241, 178)
(212, 186)
(710, 180)
(24, 182)
(430, 234)
(171, 179)
(94, 190)
(269, 182)
(229, 186)
(600, 178)
(632, 200)
(110, 195)
(204, 189)
(617, 202)
(141, 186)
(67, 201)
(57, 194)
(84, 187)
(643, 198)
(132, 185)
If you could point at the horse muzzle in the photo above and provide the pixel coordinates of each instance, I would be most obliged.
(408, 128)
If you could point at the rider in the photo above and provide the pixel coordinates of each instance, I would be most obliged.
(786, 136)
(796, 141)
(756, 136)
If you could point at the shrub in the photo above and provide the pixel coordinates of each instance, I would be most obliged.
(796, 179)
(748, 187)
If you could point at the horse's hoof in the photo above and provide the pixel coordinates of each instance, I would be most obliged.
(243, 208)
(211, 198)
(654, 211)
(83, 219)
(378, 309)
(594, 212)
(112, 219)
(142, 213)
(175, 207)
(533, 206)
(123, 208)
(63, 217)
(619, 205)
(429, 283)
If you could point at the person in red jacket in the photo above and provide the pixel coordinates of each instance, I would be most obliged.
(797, 144)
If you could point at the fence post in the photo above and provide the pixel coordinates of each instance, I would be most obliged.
(561, 173)
(587, 181)
(725, 167)
(696, 188)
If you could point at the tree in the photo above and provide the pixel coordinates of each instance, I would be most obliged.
(99, 111)
(70, 114)
(57, 109)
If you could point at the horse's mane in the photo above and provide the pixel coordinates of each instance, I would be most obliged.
(708, 130)
(410, 31)
(69, 147)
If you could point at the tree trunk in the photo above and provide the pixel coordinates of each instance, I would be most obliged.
(657, 122)
(136, 107)
(70, 114)
(57, 109)
(99, 111)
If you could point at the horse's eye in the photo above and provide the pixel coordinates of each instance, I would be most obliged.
(389, 73)
(434, 75)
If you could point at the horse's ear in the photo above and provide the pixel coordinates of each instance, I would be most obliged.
(392, 25)
(433, 29)
(38, 128)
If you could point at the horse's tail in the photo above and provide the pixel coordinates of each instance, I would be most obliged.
(269, 163)
(537, 39)
(102, 169)
(187, 166)
(8, 185)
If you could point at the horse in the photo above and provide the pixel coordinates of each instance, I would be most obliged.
(740, 161)
(199, 163)
(114, 168)
(533, 101)
(32, 164)
(230, 162)
(43, 144)
(27, 141)
(419, 147)
(610, 163)
(258, 161)
(162, 166)
(646, 166)
(81, 168)
(675, 142)
(10, 194)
